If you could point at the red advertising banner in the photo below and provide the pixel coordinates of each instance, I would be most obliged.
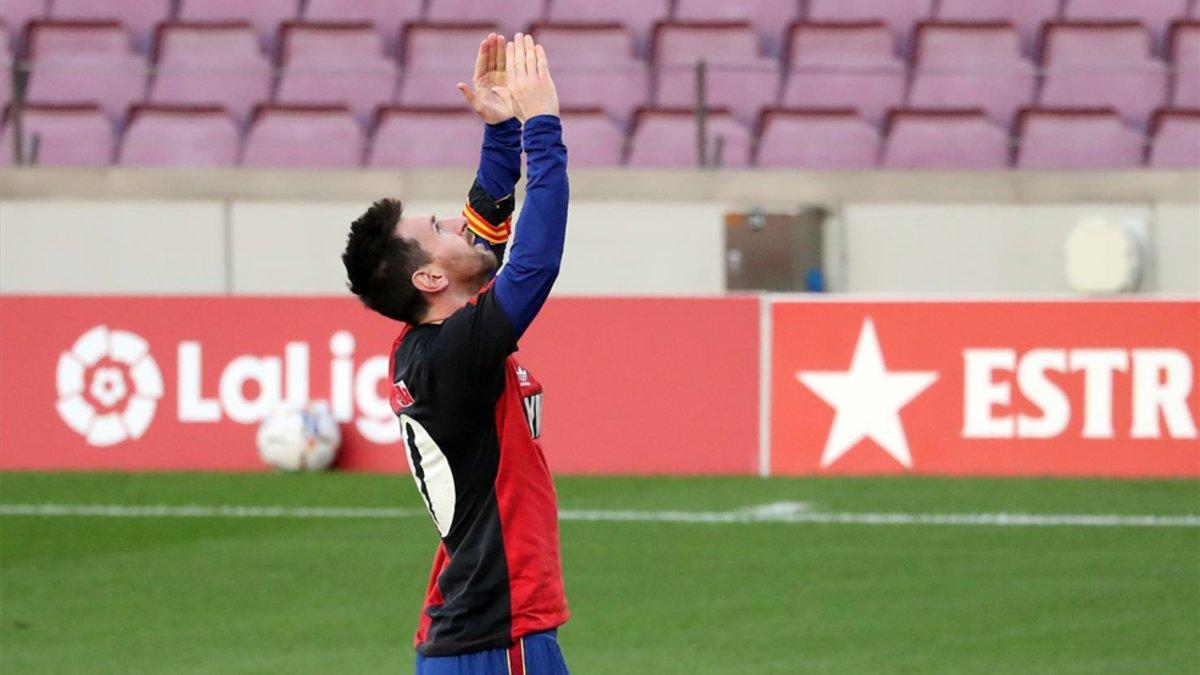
(985, 388)
(632, 385)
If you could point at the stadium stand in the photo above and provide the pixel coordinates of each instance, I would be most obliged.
(737, 76)
(1183, 49)
(595, 141)
(210, 64)
(179, 136)
(1026, 15)
(387, 15)
(77, 61)
(265, 15)
(765, 15)
(843, 64)
(666, 137)
(335, 63)
(971, 64)
(72, 134)
(424, 137)
(639, 16)
(1155, 15)
(5, 66)
(139, 17)
(595, 66)
(1176, 139)
(431, 56)
(1076, 138)
(510, 15)
(1102, 64)
(816, 138)
(16, 13)
(949, 138)
(899, 15)
(282, 137)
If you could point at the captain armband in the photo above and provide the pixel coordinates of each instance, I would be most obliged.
(489, 218)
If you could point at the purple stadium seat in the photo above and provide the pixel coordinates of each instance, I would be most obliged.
(387, 15)
(65, 135)
(5, 66)
(639, 16)
(1183, 49)
(738, 77)
(511, 15)
(899, 15)
(1176, 139)
(594, 140)
(948, 138)
(433, 63)
(1102, 64)
(971, 64)
(1076, 138)
(425, 138)
(265, 15)
(82, 61)
(16, 13)
(666, 138)
(210, 64)
(766, 15)
(179, 136)
(594, 66)
(1156, 15)
(339, 63)
(138, 16)
(1026, 15)
(318, 137)
(816, 138)
(834, 65)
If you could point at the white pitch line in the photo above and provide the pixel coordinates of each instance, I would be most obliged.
(767, 514)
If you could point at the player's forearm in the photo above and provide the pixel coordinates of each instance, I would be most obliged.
(525, 281)
(490, 203)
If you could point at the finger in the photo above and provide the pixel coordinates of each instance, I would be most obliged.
(519, 56)
(510, 59)
(543, 66)
(468, 94)
(500, 53)
(530, 57)
(490, 49)
(481, 59)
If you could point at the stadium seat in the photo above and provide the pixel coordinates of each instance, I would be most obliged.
(83, 61)
(833, 65)
(425, 138)
(264, 15)
(139, 17)
(738, 77)
(1155, 15)
(387, 15)
(179, 136)
(899, 15)
(666, 138)
(593, 138)
(816, 138)
(335, 63)
(433, 61)
(75, 134)
(1026, 15)
(1183, 50)
(318, 137)
(1176, 139)
(1102, 64)
(971, 64)
(210, 64)
(594, 66)
(767, 16)
(948, 138)
(5, 66)
(510, 15)
(1076, 138)
(639, 16)
(16, 13)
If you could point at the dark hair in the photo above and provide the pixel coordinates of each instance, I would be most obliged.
(380, 264)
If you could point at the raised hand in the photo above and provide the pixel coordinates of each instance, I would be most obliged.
(487, 95)
(529, 87)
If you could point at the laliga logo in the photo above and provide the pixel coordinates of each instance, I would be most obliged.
(108, 386)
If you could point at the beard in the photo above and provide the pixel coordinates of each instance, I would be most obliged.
(473, 271)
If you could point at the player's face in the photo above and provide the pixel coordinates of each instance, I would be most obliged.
(452, 248)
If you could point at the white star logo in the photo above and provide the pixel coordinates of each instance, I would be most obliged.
(867, 399)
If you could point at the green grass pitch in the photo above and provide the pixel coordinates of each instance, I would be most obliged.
(294, 595)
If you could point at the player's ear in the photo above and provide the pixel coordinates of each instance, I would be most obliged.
(429, 280)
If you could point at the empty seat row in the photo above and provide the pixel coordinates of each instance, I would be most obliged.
(767, 16)
(830, 65)
(329, 137)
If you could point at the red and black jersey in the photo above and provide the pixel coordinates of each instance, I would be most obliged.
(470, 417)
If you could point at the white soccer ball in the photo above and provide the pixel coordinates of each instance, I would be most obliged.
(299, 438)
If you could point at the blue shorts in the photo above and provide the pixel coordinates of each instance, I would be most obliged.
(535, 654)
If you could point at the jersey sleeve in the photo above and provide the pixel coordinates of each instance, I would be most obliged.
(491, 200)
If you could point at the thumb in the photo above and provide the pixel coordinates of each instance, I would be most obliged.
(467, 94)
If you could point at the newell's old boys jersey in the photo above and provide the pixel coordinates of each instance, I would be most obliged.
(470, 416)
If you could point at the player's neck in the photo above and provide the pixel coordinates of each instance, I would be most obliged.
(444, 304)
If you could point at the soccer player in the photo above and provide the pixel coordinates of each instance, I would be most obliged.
(470, 414)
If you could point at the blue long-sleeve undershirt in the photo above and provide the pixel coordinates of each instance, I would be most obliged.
(524, 282)
(500, 158)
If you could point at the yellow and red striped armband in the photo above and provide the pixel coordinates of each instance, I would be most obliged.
(495, 234)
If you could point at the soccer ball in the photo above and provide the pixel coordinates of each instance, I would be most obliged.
(299, 438)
